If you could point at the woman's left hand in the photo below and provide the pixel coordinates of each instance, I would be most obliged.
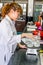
(22, 46)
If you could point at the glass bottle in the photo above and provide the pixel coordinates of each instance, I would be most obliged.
(42, 24)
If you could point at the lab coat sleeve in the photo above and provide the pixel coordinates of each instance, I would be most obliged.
(15, 38)
(13, 42)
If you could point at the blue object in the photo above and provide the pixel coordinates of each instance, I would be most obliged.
(19, 32)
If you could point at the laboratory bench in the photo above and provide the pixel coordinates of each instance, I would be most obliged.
(19, 56)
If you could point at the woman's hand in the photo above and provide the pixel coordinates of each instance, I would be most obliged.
(28, 35)
(22, 46)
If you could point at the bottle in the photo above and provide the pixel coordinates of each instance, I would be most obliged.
(42, 25)
(42, 21)
(41, 33)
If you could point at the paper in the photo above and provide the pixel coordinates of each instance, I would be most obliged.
(31, 26)
(26, 40)
(32, 51)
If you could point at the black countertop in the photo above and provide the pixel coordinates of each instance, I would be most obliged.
(19, 58)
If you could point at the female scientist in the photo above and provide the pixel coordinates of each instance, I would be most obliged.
(8, 34)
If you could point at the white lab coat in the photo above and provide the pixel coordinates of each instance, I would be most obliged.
(8, 40)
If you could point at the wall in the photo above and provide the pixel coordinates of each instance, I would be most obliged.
(21, 1)
(38, 7)
(30, 7)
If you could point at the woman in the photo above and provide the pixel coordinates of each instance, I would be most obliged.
(8, 34)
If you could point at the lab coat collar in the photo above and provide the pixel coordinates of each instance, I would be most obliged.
(11, 21)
